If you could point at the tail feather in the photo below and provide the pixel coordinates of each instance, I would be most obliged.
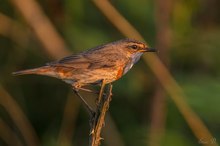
(45, 70)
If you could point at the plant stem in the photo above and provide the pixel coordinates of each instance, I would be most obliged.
(97, 120)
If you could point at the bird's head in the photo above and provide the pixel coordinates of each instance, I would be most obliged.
(131, 47)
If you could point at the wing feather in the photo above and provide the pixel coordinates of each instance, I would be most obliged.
(90, 59)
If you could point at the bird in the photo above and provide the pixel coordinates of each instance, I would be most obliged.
(102, 64)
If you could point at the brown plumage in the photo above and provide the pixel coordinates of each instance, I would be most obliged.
(106, 62)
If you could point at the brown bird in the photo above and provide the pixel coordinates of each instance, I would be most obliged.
(102, 64)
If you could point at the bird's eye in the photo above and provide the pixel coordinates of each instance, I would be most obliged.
(134, 46)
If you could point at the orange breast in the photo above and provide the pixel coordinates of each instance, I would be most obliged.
(120, 72)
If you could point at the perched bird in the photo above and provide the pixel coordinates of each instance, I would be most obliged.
(104, 63)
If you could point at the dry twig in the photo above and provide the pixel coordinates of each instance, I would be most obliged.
(97, 120)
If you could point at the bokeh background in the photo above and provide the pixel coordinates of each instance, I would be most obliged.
(38, 110)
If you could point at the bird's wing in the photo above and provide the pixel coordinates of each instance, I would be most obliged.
(72, 61)
(85, 61)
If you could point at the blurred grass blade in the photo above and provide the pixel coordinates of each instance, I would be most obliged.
(8, 135)
(18, 118)
(70, 114)
(42, 27)
(117, 19)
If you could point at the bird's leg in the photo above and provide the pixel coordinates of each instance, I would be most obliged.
(88, 90)
(85, 104)
(101, 91)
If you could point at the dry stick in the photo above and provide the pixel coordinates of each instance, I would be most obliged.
(168, 82)
(97, 121)
(101, 91)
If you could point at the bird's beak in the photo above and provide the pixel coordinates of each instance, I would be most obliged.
(149, 50)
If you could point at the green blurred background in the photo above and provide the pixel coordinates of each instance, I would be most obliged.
(192, 54)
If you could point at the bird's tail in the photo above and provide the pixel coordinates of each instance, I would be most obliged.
(45, 70)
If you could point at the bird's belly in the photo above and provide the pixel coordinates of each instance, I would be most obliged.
(100, 74)
(93, 76)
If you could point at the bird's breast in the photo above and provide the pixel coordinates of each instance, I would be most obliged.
(134, 59)
(120, 73)
(128, 66)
